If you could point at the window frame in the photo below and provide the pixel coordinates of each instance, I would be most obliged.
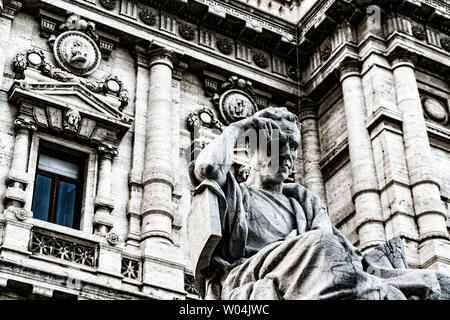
(64, 155)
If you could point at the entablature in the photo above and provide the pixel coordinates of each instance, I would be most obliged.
(221, 35)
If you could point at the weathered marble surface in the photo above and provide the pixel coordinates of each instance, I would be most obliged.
(277, 239)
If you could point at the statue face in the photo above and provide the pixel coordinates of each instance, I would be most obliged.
(276, 162)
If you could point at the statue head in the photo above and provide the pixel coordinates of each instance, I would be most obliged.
(73, 118)
(274, 156)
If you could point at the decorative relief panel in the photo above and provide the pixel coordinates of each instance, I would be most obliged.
(243, 52)
(64, 248)
(206, 38)
(168, 23)
(148, 17)
(131, 269)
(128, 8)
(435, 110)
(261, 60)
(224, 45)
(189, 284)
(187, 32)
(77, 53)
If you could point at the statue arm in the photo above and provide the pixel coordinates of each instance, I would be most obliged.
(215, 160)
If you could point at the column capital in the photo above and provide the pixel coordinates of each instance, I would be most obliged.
(348, 67)
(307, 109)
(24, 124)
(107, 151)
(402, 56)
(180, 67)
(162, 56)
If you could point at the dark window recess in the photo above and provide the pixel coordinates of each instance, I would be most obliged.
(58, 188)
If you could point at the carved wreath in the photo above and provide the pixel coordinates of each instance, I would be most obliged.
(108, 4)
(261, 60)
(148, 17)
(224, 46)
(186, 32)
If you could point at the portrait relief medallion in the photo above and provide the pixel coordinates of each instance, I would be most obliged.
(76, 53)
(235, 105)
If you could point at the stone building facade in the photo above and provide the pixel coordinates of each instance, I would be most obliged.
(104, 103)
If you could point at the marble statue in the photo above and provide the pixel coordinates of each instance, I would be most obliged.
(274, 240)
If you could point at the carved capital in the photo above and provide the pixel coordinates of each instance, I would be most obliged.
(179, 69)
(107, 151)
(162, 56)
(402, 56)
(348, 68)
(23, 124)
(308, 109)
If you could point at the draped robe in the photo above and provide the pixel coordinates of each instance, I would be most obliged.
(273, 249)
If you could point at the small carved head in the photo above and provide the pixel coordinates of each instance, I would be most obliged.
(72, 118)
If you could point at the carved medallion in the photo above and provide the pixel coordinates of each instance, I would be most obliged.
(435, 110)
(77, 53)
(224, 46)
(187, 32)
(235, 105)
(419, 32)
(445, 43)
(261, 60)
(108, 4)
(148, 17)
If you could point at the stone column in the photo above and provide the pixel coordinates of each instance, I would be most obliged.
(313, 178)
(7, 12)
(365, 193)
(157, 207)
(428, 207)
(162, 265)
(138, 155)
(18, 179)
(103, 202)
